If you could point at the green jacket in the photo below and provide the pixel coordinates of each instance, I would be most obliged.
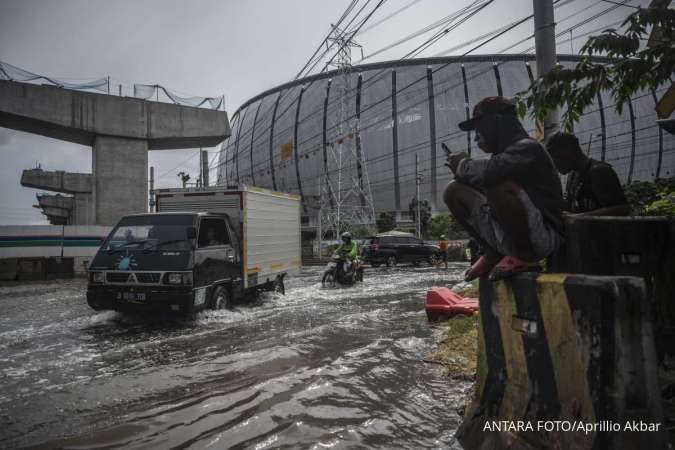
(351, 251)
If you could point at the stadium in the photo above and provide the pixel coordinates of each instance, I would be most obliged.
(392, 111)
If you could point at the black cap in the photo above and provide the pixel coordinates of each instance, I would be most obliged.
(489, 105)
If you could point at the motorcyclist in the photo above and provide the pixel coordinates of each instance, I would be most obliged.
(348, 251)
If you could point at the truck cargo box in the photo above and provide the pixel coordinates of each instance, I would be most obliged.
(269, 225)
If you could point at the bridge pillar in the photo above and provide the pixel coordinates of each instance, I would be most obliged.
(120, 185)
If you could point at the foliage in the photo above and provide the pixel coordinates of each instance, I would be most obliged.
(385, 222)
(444, 224)
(663, 206)
(425, 214)
(361, 232)
(633, 68)
(651, 198)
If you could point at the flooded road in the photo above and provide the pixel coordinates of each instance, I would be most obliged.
(316, 368)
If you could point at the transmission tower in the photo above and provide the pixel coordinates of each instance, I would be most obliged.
(346, 200)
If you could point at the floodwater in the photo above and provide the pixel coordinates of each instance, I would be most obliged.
(316, 368)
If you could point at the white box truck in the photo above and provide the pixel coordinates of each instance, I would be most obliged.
(202, 248)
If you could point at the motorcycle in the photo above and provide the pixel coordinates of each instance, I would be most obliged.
(335, 273)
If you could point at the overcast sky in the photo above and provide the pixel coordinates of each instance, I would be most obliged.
(238, 48)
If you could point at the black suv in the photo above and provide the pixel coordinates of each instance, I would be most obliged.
(392, 249)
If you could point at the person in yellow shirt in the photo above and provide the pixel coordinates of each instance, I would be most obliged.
(443, 245)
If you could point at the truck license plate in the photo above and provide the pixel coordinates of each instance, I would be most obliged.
(131, 296)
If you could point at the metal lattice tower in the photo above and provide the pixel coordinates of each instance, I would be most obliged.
(346, 200)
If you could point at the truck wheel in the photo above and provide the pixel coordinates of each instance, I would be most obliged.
(278, 287)
(221, 299)
(391, 261)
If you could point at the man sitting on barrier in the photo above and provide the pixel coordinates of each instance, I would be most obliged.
(593, 188)
(510, 203)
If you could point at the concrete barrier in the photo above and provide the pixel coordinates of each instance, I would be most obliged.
(8, 269)
(569, 348)
(635, 246)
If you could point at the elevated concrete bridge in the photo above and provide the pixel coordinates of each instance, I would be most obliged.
(120, 131)
(79, 206)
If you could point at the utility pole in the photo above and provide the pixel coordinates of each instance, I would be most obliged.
(544, 42)
(417, 196)
(152, 189)
(201, 168)
(205, 168)
(320, 233)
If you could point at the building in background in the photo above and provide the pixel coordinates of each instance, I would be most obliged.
(280, 138)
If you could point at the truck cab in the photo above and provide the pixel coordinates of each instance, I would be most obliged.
(174, 262)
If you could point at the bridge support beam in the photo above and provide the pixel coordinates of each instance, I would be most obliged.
(120, 168)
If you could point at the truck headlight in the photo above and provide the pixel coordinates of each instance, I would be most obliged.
(175, 278)
(179, 278)
(97, 277)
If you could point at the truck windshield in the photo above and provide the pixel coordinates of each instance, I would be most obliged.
(151, 231)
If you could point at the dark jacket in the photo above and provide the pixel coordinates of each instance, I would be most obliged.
(595, 186)
(524, 161)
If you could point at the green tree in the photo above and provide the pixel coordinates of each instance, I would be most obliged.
(444, 224)
(440, 224)
(651, 198)
(425, 214)
(634, 67)
(664, 205)
(385, 222)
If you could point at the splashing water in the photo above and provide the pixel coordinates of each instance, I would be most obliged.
(316, 368)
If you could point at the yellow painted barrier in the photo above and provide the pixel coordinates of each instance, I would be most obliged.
(565, 362)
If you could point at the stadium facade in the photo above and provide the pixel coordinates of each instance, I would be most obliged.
(280, 138)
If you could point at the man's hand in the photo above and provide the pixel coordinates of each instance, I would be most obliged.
(454, 160)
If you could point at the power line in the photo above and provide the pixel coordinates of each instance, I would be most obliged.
(260, 136)
(621, 4)
(179, 165)
(395, 13)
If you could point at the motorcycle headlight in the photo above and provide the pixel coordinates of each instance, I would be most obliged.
(175, 278)
(97, 277)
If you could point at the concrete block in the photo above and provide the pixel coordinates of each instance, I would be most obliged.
(81, 264)
(636, 246)
(56, 268)
(572, 348)
(8, 269)
(31, 269)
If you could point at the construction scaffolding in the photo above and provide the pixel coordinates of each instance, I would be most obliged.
(345, 197)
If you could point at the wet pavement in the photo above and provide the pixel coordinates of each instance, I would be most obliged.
(316, 368)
